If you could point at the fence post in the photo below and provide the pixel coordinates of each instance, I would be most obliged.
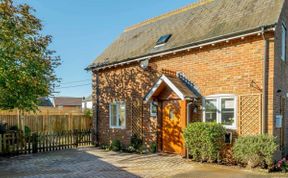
(1, 144)
(76, 138)
(34, 143)
(5, 149)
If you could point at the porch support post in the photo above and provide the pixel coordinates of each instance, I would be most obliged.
(188, 105)
(183, 107)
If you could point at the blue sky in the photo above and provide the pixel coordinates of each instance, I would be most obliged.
(82, 29)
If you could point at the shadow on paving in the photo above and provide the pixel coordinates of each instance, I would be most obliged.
(68, 163)
(219, 173)
(93, 162)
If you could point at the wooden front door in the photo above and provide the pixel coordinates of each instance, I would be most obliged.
(171, 127)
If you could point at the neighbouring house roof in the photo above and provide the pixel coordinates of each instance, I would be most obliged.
(175, 84)
(67, 101)
(190, 25)
(46, 102)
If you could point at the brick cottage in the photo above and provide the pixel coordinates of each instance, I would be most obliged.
(213, 61)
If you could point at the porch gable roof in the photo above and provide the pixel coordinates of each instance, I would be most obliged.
(174, 83)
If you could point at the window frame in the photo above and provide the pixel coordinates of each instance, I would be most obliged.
(219, 109)
(153, 104)
(283, 41)
(164, 39)
(118, 105)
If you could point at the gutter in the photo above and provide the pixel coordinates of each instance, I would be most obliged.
(210, 41)
(264, 95)
(97, 110)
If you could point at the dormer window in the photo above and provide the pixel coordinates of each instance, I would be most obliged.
(163, 40)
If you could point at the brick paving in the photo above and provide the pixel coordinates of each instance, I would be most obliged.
(92, 162)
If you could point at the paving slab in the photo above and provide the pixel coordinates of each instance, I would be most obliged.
(93, 162)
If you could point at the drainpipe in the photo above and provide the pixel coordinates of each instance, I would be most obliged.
(264, 95)
(187, 123)
(97, 109)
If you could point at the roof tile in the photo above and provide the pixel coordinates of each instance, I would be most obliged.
(191, 25)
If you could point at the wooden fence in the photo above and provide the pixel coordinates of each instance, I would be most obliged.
(45, 120)
(14, 143)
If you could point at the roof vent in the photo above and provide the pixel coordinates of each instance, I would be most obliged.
(163, 39)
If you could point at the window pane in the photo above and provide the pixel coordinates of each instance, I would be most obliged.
(113, 115)
(163, 39)
(211, 110)
(122, 114)
(210, 117)
(153, 109)
(227, 118)
(227, 114)
(211, 105)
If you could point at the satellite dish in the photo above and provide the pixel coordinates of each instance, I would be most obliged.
(144, 64)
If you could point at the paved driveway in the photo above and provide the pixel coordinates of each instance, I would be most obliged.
(92, 162)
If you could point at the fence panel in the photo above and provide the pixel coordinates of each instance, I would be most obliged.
(48, 120)
(14, 143)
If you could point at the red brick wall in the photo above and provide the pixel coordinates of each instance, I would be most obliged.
(281, 77)
(226, 68)
(129, 84)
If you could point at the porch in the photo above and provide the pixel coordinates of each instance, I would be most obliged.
(175, 101)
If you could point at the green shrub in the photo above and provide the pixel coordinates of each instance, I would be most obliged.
(153, 147)
(88, 113)
(136, 142)
(3, 128)
(204, 140)
(14, 128)
(105, 147)
(143, 149)
(130, 149)
(255, 150)
(116, 145)
(27, 131)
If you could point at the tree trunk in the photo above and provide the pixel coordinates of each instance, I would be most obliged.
(20, 119)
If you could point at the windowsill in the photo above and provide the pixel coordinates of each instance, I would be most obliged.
(160, 45)
(230, 127)
(114, 127)
(226, 126)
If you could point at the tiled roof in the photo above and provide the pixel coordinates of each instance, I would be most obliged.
(67, 101)
(45, 102)
(189, 25)
(187, 93)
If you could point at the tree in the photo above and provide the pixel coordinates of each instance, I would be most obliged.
(27, 66)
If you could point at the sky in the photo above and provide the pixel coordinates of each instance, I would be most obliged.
(82, 29)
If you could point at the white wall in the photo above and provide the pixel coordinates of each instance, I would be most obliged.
(87, 105)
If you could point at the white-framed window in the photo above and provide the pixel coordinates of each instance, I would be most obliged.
(153, 109)
(221, 109)
(284, 42)
(117, 115)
